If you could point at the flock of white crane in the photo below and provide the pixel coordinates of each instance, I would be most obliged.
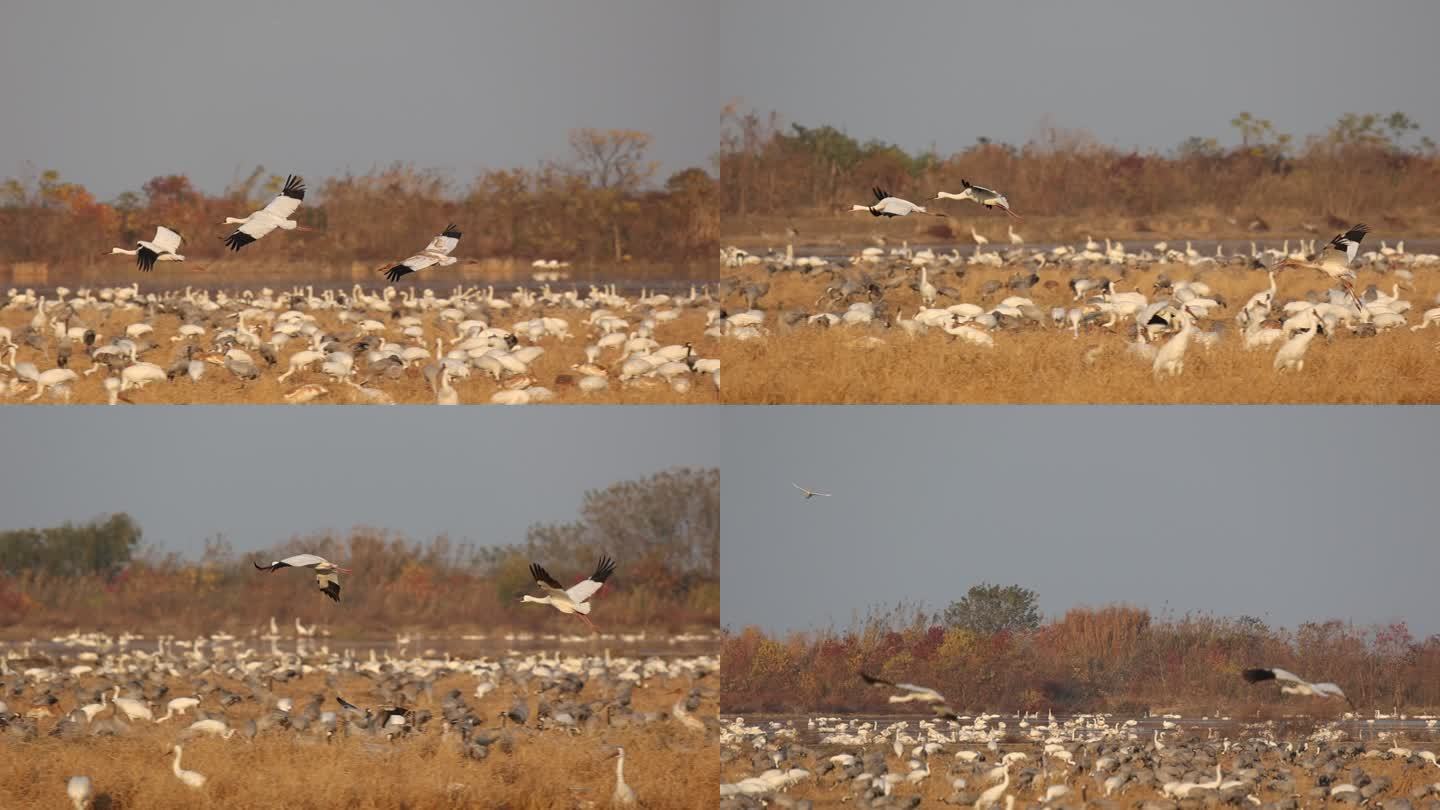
(116, 686)
(857, 292)
(1088, 760)
(360, 344)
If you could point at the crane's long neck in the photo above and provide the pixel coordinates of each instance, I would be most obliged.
(176, 765)
(620, 770)
(236, 220)
(124, 252)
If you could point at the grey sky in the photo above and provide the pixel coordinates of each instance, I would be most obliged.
(1136, 73)
(262, 475)
(112, 94)
(1290, 514)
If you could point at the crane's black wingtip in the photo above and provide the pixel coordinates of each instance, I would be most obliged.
(451, 231)
(294, 187)
(238, 239)
(871, 679)
(259, 567)
(604, 568)
(395, 273)
(1257, 675)
(539, 574)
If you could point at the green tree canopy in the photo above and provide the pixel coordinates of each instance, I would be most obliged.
(989, 609)
(99, 547)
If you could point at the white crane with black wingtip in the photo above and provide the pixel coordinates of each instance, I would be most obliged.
(989, 198)
(1292, 684)
(809, 493)
(437, 252)
(923, 694)
(163, 247)
(1335, 259)
(576, 599)
(887, 205)
(275, 215)
(327, 574)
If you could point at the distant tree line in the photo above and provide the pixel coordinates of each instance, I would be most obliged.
(991, 651)
(663, 530)
(600, 206)
(1364, 162)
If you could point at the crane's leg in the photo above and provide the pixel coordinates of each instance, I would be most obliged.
(582, 617)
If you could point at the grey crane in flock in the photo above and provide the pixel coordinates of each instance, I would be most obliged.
(1292, 684)
(985, 196)
(326, 573)
(890, 206)
(275, 215)
(809, 493)
(1334, 260)
(576, 599)
(164, 247)
(437, 252)
(924, 694)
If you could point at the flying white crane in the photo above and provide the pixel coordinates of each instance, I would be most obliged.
(624, 795)
(809, 494)
(437, 252)
(888, 206)
(275, 215)
(164, 247)
(924, 694)
(194, 779)
(576, 599)
(986, 197)
(1335, 260)
(325, 571)
(1292, 684)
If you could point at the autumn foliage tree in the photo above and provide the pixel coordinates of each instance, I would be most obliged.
(601, 205)
(664, 530)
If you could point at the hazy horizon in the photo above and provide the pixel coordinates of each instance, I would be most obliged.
(112, 95)
(261, 475)
(1134, 74)
(1286, 514)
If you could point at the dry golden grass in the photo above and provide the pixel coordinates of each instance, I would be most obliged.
(934, 789)
(667, 765)
(219, 387)
(807, 364)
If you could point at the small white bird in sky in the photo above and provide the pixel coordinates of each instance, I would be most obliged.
(1292, 684)
(437, 252)
(325, 571)
(275, 215)
(889, 206)
(575, 600)
(164, 247)
(985, 196)
(809, 493)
